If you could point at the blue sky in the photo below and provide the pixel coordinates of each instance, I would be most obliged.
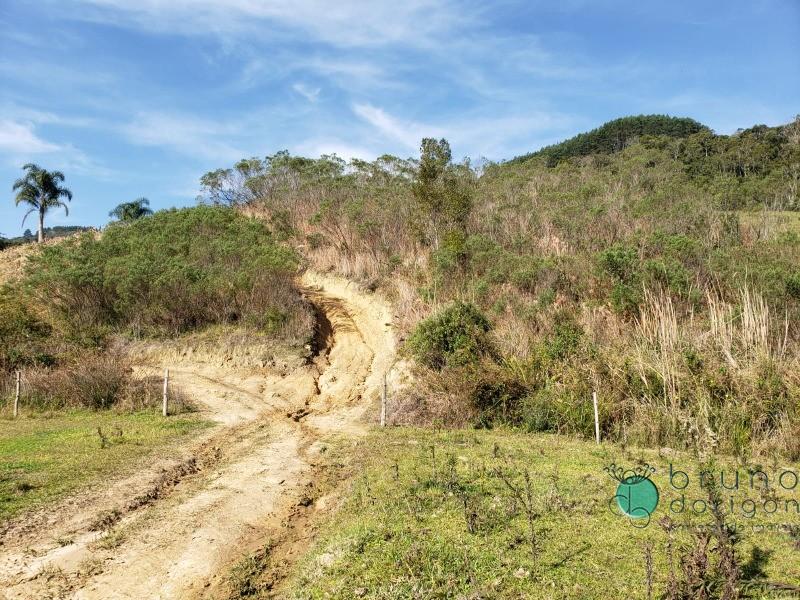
(141, 97)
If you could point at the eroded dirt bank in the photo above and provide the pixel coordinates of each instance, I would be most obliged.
(173, 529)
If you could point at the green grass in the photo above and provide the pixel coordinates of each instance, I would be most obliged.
(403, 532)
(43, 457)
(780, 220)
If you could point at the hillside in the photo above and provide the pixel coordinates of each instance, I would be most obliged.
(50, 233)
(571, 276)
(615, 135)
(661, 277)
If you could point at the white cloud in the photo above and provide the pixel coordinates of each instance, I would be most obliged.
(19, 144)
(32, 116)
(343, 23)
(310, 94)
(186, 135)
(20, 139)
(318, 147)
(493, 137)
(407, 133)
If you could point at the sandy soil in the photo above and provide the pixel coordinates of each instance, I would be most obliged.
(175, 527)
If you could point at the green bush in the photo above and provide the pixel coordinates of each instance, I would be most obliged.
(620, 261)
(497, 395)
(456, 336)
(558, 411)
(24, 338)
(793, 286)
(668, 273)
(566, 337)
(625, 299)
(174, 271)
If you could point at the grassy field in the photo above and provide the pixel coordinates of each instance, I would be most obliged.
(448, 515)
(43, 457)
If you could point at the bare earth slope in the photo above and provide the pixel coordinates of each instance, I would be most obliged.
(174, 528)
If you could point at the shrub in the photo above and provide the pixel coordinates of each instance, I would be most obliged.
(24, 338)
(620, 261)
(496, 396)
(97, 381)
(793, 286)
(558, 410)
(456, 336)
(174, 271)
(566, 337)
(626, 299)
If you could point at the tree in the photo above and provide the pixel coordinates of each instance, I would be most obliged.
(443, 190)
(130, 211)
(41, 190)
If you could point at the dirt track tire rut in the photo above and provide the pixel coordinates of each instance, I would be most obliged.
(181, 541)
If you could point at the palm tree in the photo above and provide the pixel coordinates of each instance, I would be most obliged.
(130, 211)
(41, 190)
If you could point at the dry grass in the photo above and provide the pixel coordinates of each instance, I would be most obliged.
(437, 400)
(747, 332)
(767, 223)
(658, 345)
(684, 353)
(97, 381)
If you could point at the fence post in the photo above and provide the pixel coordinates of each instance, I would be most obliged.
(166, 387)
(16, 396)
(383, 402)
(596, 418)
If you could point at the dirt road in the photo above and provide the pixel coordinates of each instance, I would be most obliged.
(174, 529)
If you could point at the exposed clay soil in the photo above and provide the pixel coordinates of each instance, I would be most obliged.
(175, 527)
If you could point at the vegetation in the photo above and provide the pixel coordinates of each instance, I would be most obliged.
(503, 514)
(43, 459)
(130, 211)
(26, 339)
(42, 191)
(177, 270)
(615, 136)
(638, 274)
(58, 231)
(456, 336)
(443, 192)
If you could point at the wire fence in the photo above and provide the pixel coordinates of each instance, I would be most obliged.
(44, 390)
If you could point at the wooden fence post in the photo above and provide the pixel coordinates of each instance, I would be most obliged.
(596, 418)
(166, 387)
(16, 396)
(383, 402)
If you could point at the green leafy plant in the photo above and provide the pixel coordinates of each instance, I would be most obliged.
(42, 191)
(456, 336)
(177, 270)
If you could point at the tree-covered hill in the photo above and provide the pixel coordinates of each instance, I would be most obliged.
(758, 166)
(57, 231)
(615, 135)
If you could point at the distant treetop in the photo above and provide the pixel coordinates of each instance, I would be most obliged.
(615, 135)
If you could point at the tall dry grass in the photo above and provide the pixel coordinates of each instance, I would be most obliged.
(682, 353)
(726, 378)
(658, 346)
(98, 381)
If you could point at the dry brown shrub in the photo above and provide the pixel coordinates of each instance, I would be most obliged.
(96, 381)
(437, 399)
